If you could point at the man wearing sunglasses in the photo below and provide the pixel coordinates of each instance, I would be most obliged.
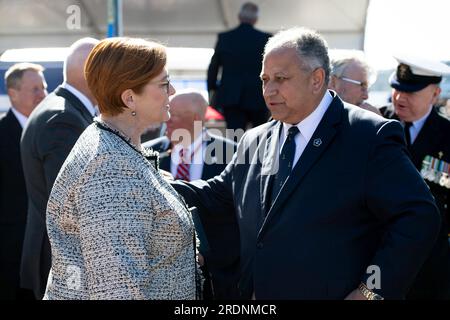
(350, 79)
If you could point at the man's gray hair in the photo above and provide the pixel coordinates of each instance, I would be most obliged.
(340, 60)
(248, 12)
(311, 48)
(14, 74)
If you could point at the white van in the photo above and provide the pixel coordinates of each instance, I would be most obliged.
(187, 67)
(50, 58)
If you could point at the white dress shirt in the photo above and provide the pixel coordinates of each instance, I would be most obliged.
(306, 127)
(197, 151)
(20, 117)
(84, 100)
(417, 125)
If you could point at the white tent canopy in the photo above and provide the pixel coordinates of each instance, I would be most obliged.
(178, 23)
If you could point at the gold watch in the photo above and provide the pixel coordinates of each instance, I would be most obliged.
(369, 294)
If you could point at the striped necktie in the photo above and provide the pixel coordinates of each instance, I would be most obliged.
(286, 162)
(183, 166)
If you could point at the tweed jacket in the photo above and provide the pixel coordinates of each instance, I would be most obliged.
(117, 229)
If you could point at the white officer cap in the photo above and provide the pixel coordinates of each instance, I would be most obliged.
(414, 73)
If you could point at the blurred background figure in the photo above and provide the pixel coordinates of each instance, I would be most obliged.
(415, 90)
(350, 78)
(26, 87)
(52, 130)
(238, 55)
(202, 155)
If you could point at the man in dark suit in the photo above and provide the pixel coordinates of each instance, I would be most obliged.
(52, 130)
(204, 155)
(329, 205)
(416, 89)
(238, 53)
(26, 87)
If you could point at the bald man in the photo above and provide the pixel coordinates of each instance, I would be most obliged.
(191, 152)
(52, 130)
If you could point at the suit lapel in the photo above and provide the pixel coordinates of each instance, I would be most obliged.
(12, 134)
(270, 160)
(164, 160)
(75, 102)
(317, 145)
(427, 139)
(14, 124)
(389, 112)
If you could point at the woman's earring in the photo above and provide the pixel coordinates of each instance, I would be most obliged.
(133, 113)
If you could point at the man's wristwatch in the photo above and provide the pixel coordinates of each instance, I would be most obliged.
(366, 292)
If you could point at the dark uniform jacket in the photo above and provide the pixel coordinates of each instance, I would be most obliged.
(13, 205)
(432, 145)
(239, 53)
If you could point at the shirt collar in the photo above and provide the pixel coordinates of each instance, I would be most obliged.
(84, 100)
(308, 125)
(20, 117)
(193, 146)
(418, 124)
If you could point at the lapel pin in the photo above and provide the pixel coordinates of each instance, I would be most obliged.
(317, 142)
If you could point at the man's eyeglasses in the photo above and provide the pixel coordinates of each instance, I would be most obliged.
(363, 85)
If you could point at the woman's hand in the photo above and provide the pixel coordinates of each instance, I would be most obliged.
(166, 175)
(200, 259)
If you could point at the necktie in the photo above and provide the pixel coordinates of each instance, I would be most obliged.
(285, 163)
(407, 133)
(183, 167)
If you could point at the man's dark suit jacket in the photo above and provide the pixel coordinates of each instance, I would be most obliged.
(13, 206)
(222, 234)
(239, 53)
(433, 281)
(51, 132)
(354, 199)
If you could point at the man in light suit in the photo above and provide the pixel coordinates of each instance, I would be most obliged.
(238, 54)
(52, 130)
(329, 205)
(26, 87)
(208, 155)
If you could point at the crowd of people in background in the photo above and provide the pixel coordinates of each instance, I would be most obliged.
(320, 189)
